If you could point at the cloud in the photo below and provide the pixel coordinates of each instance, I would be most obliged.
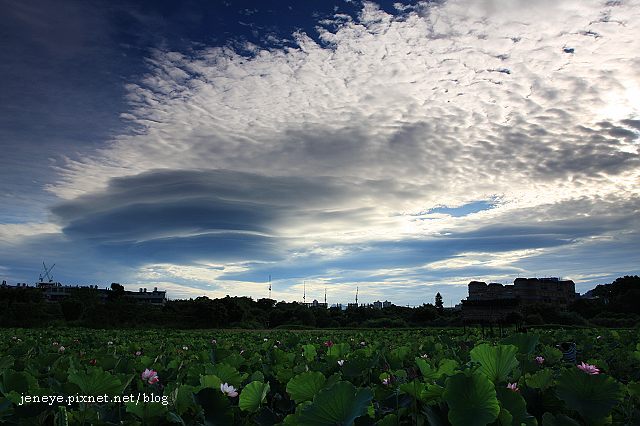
(184, 215)
(416, 99)
(325, 158)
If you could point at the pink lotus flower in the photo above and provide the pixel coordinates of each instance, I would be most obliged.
(424, 356)
(362, 343)
(55, 343)
(588, 368)
(341, 362)
(93, 361)
(138, 353)
(540, 360)
(387, 381)
(109, 343)
(185, 348)
(513, 387)
(328, 343)
(599, 337)
(149, 376)
(61, 349)
(228, 390)
(214, 342)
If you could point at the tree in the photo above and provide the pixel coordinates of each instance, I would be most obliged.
(117, 291)
(439, 304)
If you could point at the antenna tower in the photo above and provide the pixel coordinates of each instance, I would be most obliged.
(325, 296)
(269, 286)
(304, 292)
(357, 288)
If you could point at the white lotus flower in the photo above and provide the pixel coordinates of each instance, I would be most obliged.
(228, 390)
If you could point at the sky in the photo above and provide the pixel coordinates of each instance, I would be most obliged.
(402, 149)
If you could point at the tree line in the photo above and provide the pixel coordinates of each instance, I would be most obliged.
(612, 305)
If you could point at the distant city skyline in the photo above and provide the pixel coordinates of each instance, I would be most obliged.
(404, 148)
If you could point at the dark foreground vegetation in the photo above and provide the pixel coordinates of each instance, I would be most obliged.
(611, 305)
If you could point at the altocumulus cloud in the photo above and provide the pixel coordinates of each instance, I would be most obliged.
(326, 158)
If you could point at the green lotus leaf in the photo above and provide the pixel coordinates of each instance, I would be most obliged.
(505, 418)
(305, 386)
(540, 380)
(388, 420)
(549, 419)
(257, 376)
(227, 374)
(551, 355)
(216, 407)
(338, 405)
(107, 362)
(19, 382)
(234, 360)
(526, 343)
(496, 362)
(431, 392)
(447, 367)
(425, 368)
(290, 420)
(633, 388)
(414, 388)
(357, 365)
(210, 381)
(252, 396)
(96, 382)
(265, 416)
(283, 374)
(309, 352)
(436, 414)
(148, 412)
(183, 399)
(516, 405)
(593, 396)
(6, 362)
(398, 355)
(472, 400)
(339, 350)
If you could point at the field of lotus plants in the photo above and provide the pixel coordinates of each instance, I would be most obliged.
(378, 377)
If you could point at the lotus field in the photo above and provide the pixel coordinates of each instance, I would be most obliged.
(382, 377)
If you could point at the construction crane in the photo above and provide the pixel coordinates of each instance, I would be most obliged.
(47, 273)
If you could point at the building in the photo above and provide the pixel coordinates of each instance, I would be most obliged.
(316, 304)
(381, 305)
(55, 292)
(495, 302)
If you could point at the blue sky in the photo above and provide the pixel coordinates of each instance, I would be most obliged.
(402, 148)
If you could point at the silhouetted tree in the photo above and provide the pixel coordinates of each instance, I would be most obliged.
(439, 304)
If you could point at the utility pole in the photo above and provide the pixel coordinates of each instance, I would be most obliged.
(357, 288)
(304, 292)
(269, 286)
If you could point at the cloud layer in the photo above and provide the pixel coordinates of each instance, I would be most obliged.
(326, 160)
